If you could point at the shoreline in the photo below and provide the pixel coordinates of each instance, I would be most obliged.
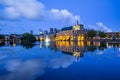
(92, 40)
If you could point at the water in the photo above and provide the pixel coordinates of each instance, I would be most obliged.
(60, 61)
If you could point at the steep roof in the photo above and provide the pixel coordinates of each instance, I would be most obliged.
(67, 28)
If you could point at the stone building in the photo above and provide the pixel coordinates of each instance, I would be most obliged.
(72, 33)
(72, 48)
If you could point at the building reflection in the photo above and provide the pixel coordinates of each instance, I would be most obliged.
(14, 43)
(97, 44)
(76, 49)
(88, 43)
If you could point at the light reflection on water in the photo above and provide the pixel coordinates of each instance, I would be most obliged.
(60, 60)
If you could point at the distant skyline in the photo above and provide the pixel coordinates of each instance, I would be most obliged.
(19, 16)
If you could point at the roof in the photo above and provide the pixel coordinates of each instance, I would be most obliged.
(67, 28)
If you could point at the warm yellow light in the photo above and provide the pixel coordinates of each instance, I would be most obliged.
(81, 37)
(81, 43)
(76, 27)
(76, 54)
(72, 38)
(71, 43)
(67, 44)
(41, 39)
(88, 43)
(14, 44)
(67, 37)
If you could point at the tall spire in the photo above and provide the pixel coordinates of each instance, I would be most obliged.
(77, 22)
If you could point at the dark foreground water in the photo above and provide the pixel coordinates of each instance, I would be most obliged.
(60, 61)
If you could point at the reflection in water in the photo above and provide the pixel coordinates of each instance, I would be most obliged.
(73, 48)
(19, 63)
(76, 49)
(29, 65)
(102, 46)
(96, 43)
(22, 70)
(2, 44)
(28, 46)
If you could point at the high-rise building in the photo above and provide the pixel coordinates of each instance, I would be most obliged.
(51, 30)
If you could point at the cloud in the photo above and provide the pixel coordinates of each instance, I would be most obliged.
(58, 62)
(23, 70)
(2, 23)
(27, 65)
(33, 9)
(21, 14)
(63, 15)
(100, 26)
(30, 9)
(32, 68)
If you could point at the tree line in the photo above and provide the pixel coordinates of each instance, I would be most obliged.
(101, 34)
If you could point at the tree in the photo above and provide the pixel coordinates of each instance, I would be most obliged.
(102, 34)
(28, 46)
(28, 38)
(102, 46)
(109, 36)
(91, 33)
(118, 35)
(2, 37)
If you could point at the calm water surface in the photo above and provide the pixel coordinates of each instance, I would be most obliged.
(60, 61)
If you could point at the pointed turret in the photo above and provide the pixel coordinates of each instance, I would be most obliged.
(77, 22)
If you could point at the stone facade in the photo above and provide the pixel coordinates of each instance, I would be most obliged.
(72, 33)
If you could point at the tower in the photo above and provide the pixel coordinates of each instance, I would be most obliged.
(77, 22)
(51, 30)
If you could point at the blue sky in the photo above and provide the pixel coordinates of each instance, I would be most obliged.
(19, 16)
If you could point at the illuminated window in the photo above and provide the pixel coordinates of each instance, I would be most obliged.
(76, 27)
